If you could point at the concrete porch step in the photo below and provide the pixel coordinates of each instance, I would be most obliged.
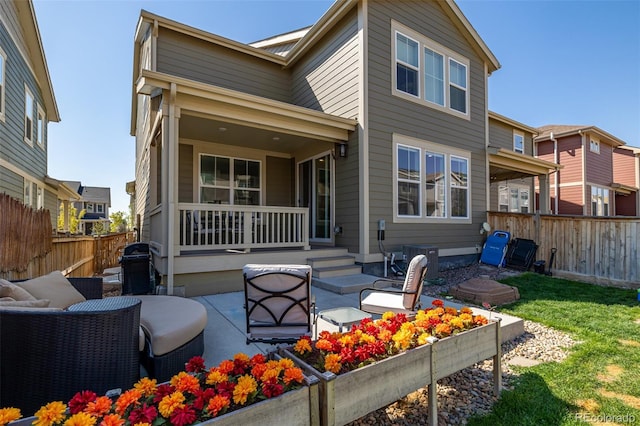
(345, 284)
(329, 261)
(336, 271)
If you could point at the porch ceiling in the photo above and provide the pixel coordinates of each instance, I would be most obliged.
(505, 164)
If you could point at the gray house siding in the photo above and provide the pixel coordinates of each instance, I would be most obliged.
(198, 60)
(185, 173)
(347, 196)
(280, 182)
(327, 78)
(11, 183)
(501, 136)
(390, 114)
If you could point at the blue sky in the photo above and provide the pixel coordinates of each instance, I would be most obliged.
(563, 62)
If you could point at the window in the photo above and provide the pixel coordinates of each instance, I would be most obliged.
(100, 208)
(89, 207)
(599, 201)
(431, 181)
(27, 193)
(3, 80)
(40, 124)
(33, 195)
(407, 69)
(443, 73)
(513, 198)
(28, 116)
(594, 145)
(217, 185)
(518, 142)
(39, 197)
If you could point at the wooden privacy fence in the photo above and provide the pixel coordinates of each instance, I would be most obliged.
(603, 250)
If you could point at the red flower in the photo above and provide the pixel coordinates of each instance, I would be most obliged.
(438, 303)
(271, 390)
(144, 414)
(259, 358)
(183, 416)
(362, 353)
(80, 400)
(240, 366)
(203, 397)
(226, 389)
(195, 365)
(347, 355)
(162, 391)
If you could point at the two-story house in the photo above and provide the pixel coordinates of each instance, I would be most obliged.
(27, 105)
(95, 201)
(626, 180)
(587, 185)
(513, 169)
(368, 129)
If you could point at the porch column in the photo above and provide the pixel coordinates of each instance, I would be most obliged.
(172, 138)
(543, 202)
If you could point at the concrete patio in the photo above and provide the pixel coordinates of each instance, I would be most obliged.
(225, 331)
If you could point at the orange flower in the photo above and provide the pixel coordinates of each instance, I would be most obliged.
(8, 415)
(293, 374)
(170, 402)
(385, 335)
(258, 370)
(443, 330)
(50, 414)
(241, 357)
(217, 404)
(270, 375)
(80, 419)
(451, 311)
(466, 310)
(245, 387)
(112, 420)
(127, 398)
(185, 382)
(302, 346)
(332, 363)
(99, 407)
(226, 366)
(480, 320)
(142, 424)
(324, 345)
(147, 386)
(216, 376)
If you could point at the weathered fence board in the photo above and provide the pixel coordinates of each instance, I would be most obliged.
(596, 249)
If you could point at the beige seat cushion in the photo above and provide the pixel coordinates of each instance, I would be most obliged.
(171, 321)
(42, 303)
(8, 289)
(29, 309)
(54, 287)
(413, 280)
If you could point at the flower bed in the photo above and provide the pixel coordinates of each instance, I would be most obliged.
(378, 362)
(239, 391)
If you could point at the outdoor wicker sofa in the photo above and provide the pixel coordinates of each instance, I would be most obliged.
(49, 355)
(94, 344)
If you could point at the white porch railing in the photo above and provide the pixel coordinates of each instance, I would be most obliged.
(220, 226)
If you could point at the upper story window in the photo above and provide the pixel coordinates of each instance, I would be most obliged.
(28, 116)
(431, 181)
(225, 180)
(3, 79)
(518, 142)
(100, 208)
(40, 125)
(89, 207)
(594, 146)
(429, 73)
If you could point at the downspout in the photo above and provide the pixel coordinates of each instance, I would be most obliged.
(556, 158)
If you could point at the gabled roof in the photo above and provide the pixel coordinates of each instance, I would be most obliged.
(561, 130)
(28, 21)
(512, 123)
(94, 194)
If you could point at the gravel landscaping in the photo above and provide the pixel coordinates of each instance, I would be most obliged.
(470, 391)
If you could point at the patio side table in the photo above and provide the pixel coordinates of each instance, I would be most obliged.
(345, 316)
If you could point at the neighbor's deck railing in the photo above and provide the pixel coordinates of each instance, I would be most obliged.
(600, 249)
(219, 226)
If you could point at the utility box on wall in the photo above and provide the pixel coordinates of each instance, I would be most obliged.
(432, 256)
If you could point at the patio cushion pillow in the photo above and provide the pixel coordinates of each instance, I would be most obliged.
(8, 289)
(29, 309)
(54, 287)
(42, 303)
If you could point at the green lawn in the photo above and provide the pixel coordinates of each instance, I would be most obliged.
(600, 379)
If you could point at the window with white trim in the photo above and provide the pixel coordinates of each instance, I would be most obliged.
(599, 201)
(29, 105)
(40, 124)
(99, 208)
(513, 198)
(89, 207)
(444, 74)
(33, 195)
(3, 80)
(27, 199)
(518, 142)
(225, 180)
(431, 180)
(594, 146)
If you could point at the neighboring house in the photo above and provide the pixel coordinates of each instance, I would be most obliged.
(95, 201)
(626, 178)
(27, 105)
(373, 119)
(513, 169)
(587, 185)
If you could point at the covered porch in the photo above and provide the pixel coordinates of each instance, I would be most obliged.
(232, 173)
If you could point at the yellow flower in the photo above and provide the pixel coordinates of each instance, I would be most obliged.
(302, 346)
(332, 363)
(270, 374)
(50, 414)
(8, 415)
(367, 338)
(347, 340)
(457, 322)
(241, 357)
(388, 316)
(422, 338)
(285, 363)
(170, 402)
(80, 419)
(402, 339)
(146, 385)
(215, 376)
(245, 387)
